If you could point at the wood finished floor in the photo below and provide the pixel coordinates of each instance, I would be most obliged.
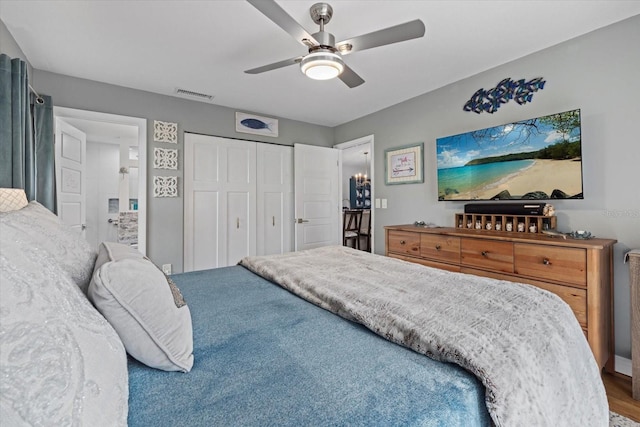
(619, 395)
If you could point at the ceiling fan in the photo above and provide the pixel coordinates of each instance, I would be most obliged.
(324, 60)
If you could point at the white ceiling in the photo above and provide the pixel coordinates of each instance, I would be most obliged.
(205, 46)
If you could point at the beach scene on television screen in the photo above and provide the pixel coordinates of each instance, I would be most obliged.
(537, 158)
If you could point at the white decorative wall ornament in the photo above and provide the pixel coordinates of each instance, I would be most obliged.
(165, 186)
(165, 158)
(165, 132)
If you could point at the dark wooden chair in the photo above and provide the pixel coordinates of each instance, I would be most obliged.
(364, 231)
(351, 221)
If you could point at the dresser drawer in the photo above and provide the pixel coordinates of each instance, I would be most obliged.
(440, 248)
(488, 254)
(404, 242)
(428, 263)
(566, 265)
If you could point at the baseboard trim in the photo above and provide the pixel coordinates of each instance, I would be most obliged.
(623, 365)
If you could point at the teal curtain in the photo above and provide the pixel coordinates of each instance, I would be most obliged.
(43, 131)
(26, 135)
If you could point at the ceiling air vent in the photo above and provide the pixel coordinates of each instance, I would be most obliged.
(192, 94)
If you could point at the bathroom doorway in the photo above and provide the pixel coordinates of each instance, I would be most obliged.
(111, 184)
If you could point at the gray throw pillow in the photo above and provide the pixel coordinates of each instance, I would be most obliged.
(61, 362)
(144, 307)
(40, 229)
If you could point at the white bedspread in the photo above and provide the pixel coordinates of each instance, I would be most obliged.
(522, 342)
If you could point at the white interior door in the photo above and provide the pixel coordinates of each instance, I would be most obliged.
(71, 154)
(317, 196)
(274, 199)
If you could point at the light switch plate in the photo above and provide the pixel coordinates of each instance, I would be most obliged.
(377, 203)
(384, 203)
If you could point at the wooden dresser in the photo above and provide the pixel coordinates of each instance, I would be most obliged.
(578, 271)
(633, 258)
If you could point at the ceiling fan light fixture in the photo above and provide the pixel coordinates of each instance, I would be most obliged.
(322, 65)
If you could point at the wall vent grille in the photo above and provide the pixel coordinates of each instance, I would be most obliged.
(191, 93)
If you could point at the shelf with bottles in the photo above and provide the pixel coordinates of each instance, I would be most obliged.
(506, 223)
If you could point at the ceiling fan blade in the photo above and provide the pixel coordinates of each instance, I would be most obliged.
(275, 65)
(273, 11)
(350, 77)
(398, 33)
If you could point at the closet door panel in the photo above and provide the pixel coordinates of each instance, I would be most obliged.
(239, 237)
(206, 163)
(241, 163)
(240, 200)
(206, 237)
(272, 232)
(204, 210)
(274, 162)
(275, 199)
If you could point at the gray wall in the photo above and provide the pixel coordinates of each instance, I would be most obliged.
(165, 215)
(598, 73)
(9, 47)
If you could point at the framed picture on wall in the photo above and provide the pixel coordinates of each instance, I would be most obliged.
(404, 165)
(257, 125)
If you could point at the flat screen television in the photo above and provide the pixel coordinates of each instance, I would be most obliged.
(537, 158)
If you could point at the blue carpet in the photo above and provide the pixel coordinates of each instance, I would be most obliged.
(266, 357)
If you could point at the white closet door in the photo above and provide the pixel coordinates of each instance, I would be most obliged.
(220, 190)
(274, 199)
(203, 159)
(240, 192)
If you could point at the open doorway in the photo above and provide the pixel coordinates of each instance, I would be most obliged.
(105, 155)
(357, 178)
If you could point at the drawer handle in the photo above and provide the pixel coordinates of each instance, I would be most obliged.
(546, 261)
(402, 242)
(438, 247)
(485, 253)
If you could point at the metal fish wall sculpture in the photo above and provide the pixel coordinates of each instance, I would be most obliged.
(490, 100)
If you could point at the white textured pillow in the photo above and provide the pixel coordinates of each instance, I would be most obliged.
(144, 307)
(41, 229)
(61, 363)
(12, 199)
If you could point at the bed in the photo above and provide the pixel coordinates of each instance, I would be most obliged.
(266, 357)
(107, 339)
